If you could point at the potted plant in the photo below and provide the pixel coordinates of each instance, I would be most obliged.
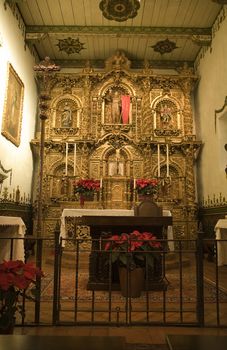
(147, 187)
(16, 278)
(86, 189)
(133, 252)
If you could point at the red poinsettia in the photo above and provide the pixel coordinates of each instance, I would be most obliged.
(86, 185)
(15, 278)
(147, 186)
(133, 249)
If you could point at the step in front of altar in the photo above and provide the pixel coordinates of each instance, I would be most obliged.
(69, 260)
(172, 261)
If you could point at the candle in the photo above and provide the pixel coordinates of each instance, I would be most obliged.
(154, 120)
(66, 158)
(74, 168)
(101, 182)
(167, 160)
(178, 120)
(134, 184)
(117, 154)
(158, 160)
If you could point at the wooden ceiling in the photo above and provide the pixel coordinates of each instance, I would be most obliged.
(52, 26)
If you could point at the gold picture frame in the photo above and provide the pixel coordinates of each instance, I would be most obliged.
(13, 107)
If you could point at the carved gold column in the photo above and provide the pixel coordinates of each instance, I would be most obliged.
(146, 128)
(85, 161)
(147, 161)
(189, 171)
(44, 70)
(85, 126)
(187, 85)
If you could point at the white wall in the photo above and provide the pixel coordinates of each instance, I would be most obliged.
(210, 96)
(13, 51)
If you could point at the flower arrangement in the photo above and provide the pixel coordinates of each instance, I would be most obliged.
(15, 278)
(133, 249)
(147, 186)
(86, 185)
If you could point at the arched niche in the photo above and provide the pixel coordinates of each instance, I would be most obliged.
(59, 184)
(116, 162)
(117, 104)
(167, 116)
(173, 186)
(66, 112)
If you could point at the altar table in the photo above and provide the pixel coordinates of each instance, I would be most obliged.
(221, 233)
(12, 227)
(106, 222)
(109, 212)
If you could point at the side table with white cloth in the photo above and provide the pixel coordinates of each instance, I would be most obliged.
(221, 233)
(11, 227)
(108, 212)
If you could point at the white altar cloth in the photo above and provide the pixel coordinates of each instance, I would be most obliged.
(221, 233)
(109, 212)
(12, 227)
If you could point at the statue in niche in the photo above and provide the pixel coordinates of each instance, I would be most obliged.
(116, 165)
(165, 113)
(66, 116)
(113, 107)
(117, 107)
(64, 185)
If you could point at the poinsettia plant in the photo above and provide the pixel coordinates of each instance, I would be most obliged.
(86, 185)
(134, 249)
(147, 186)
(16, 278)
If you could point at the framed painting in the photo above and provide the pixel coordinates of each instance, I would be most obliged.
(13, 106)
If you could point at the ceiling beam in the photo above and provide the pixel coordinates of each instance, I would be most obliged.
(135, 64)
(117, 30)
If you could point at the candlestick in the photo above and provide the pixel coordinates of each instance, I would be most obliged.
(178, 120)
(158, 160)
(167, 160)
(154, 120)
(66, 158)
(74, 168)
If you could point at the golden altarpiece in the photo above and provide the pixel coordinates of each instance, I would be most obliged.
(87, 135)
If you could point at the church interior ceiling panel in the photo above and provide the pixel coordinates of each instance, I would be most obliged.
(86, 30)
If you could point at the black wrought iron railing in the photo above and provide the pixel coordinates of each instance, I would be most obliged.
(82, 285)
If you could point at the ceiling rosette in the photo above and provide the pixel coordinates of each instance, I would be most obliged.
(119, 10)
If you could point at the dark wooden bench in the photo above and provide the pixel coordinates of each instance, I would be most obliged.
(196, 342)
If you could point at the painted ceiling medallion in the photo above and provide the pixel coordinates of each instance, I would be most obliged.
(164, 46)
(119, 10)
(70, 45)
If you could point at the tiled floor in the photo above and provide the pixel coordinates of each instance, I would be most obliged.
(151, 335)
